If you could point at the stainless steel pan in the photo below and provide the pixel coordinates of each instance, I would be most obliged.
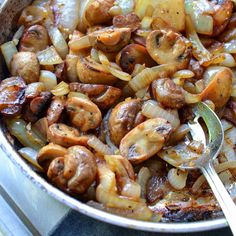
(8, 14)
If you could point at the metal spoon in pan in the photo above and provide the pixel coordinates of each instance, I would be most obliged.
(205, 163)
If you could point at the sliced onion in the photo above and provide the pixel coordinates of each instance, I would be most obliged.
(137, 69)
(179, 134)
(99, 146)
(80, 43)
(132, 190)
(71, 72)
(67, 14)
(143, 176)
(113, 68)
(230, 47)
(226, 124)
(41, 127)
(199, 51)
(200, 12)
(18, 34)
(78, 95)
(127, 6)
(177, 178)
(146, 22)
(94, 55)
(8, 50)
(49, 56)
(185, 74)
(30, 155)
(218, 168)
(151, 109)
(17, 128)
(58, 41)
(61, 89)
(191, 98)
(229, 60)
(146, 76)
(48, 78)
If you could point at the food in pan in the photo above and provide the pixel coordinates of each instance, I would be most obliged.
(100, 93)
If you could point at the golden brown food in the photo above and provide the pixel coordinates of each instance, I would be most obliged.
(98, 12)
(134, 54)
(12, 95)
(168, 47)
(121, 80)
(25, 65)
(103, 96)
(65, 136)
(138, 146)
(130, 20)
(168, 93)
(55, 110)
(34, 39)
(91, 72)
(124, 117)
(74, 172)
(110, 39)
(48, 153)
(83, 113)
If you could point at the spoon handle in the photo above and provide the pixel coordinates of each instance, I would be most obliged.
(227, 204)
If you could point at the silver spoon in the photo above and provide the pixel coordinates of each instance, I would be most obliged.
(205, 163)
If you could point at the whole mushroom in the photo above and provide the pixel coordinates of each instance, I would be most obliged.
(25, 65)
(75, 171)
(34, 39)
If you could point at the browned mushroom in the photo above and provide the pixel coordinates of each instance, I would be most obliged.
(34, 39)
(110, 39)
(130, 20)
(39, 103)
(25, 65)
(168, 93)
(219, 89)
(65, 135)
(145, 140)
(74, 172)
(12, 96)
(196, 68)
(97, 12)
(55, 110)
(124, 117)
(91, 72)
(167, 46)
(230, 112)
(221, 16)
(134, 54)
(48, 153)
(83, 113)
(103, 96)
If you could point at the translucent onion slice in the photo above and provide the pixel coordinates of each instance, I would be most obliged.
(146, 76)
(186, 74)
(17, 128)
(58, 41)
(229, 60)
(61, 89)
(230, 47)
(99, 146)
(151, 109)
(18, 34)
(177, 178)
(30, 155)
(191, 98)
(126, 6)
(218, 168)
(48, 78)
(49, 56)
(143, 176)
(8, 50)
(80, 43)
(113, 68)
